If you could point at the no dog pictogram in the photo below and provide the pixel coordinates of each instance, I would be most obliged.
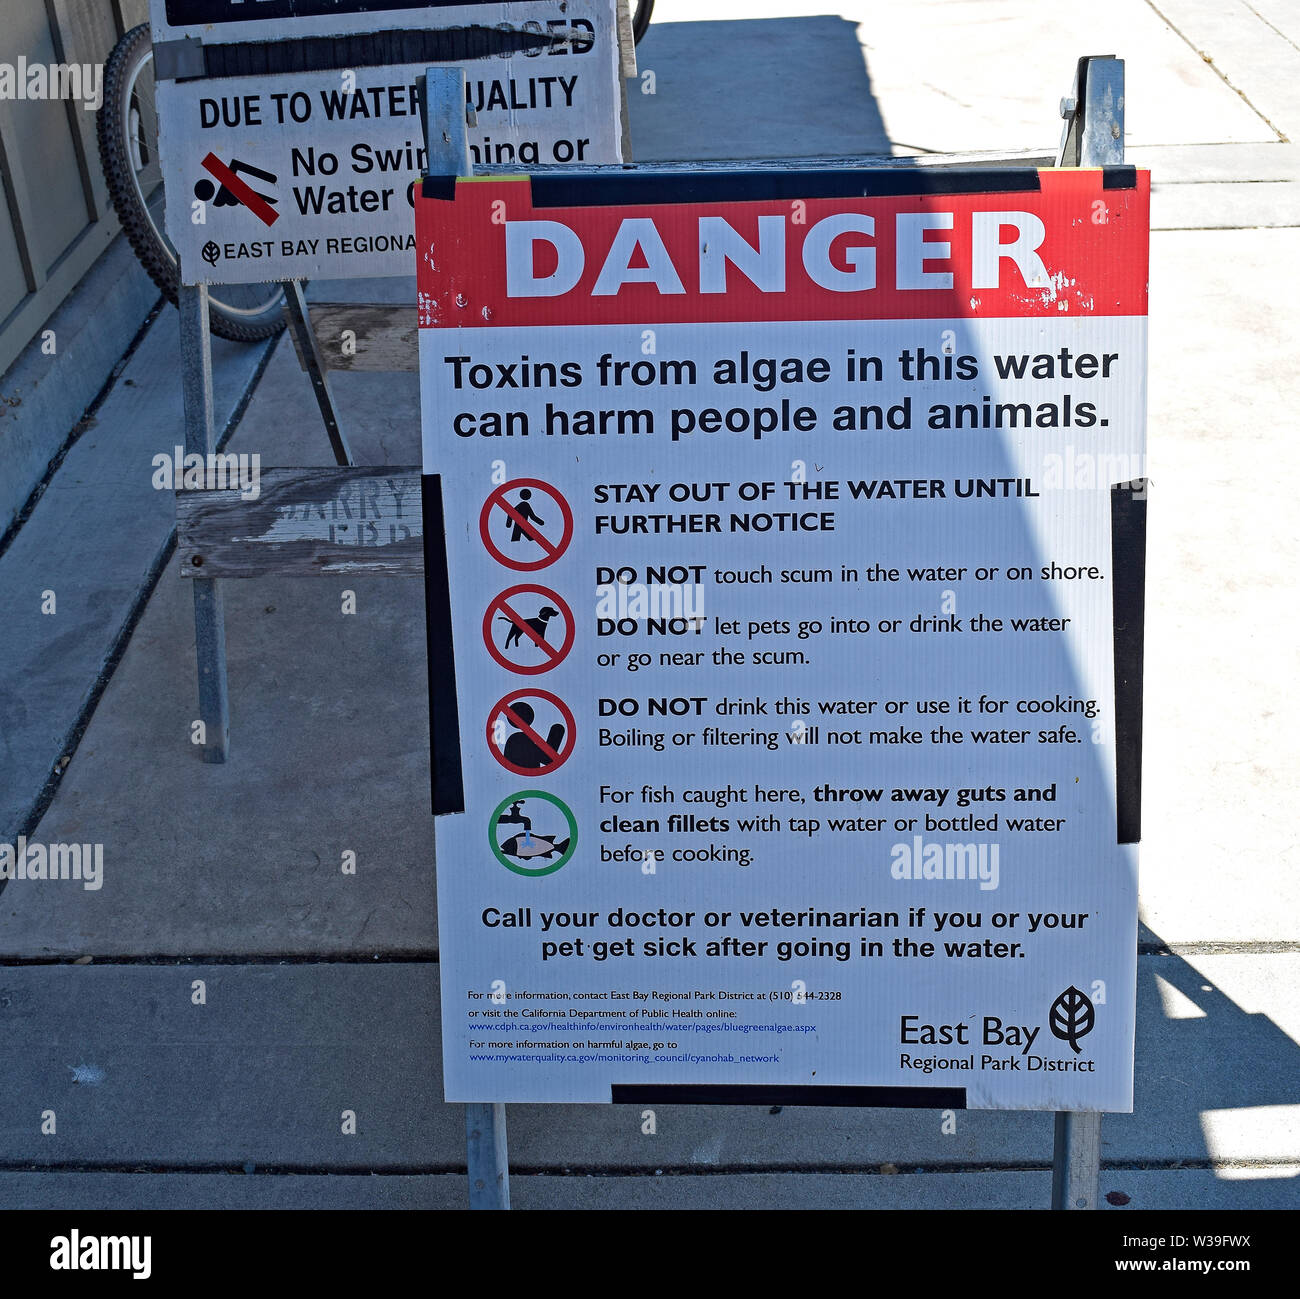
(522, 748)
(526, 524)
(528, 629)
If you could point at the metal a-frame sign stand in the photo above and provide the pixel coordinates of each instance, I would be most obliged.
(1092, 137)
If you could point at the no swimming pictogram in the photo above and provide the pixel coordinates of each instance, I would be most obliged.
(526, 524)
(234, 191)
(528, 629)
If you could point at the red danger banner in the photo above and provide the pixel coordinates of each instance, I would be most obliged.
(1067, 244)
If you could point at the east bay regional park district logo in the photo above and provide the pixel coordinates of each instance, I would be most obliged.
(1071, 1017)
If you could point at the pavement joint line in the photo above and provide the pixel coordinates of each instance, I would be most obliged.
(82, 426)
(1246, 947)
(1208, 59)
(1250, 180)
(1270, 26)
(1167, 230)
(1177, 230)
(72, 739)
(144, 593)
(911, 1169)
(411, 956)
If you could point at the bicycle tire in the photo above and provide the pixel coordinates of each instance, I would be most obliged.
(241, 313)
(641, 18)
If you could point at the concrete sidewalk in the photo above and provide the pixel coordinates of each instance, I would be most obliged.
(321, 987)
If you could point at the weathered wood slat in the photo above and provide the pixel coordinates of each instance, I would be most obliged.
(352, 336)
(330, 522)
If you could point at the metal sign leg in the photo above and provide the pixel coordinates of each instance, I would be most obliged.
(1093, 137)
(295, 310)
(200, 439)
(485, 1125)
(489, 1164)
(1094, 115)
(1076, 1161)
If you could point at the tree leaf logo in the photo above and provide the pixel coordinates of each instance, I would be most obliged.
(1071, 1017)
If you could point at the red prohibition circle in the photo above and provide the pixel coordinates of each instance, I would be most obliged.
(555, 656)
(562, 753)
(496, 500)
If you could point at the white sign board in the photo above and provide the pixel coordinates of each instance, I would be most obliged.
(779, 547)
(308, 174)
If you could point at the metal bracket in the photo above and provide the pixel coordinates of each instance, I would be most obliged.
(1094, 114)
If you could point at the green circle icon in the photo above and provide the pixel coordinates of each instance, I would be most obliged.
(528, 845)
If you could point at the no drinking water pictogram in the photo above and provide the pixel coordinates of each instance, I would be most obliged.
(526, 524)
(528, 629)
(519, 745)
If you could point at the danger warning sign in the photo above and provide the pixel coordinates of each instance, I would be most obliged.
(837, 478)
(328, 153)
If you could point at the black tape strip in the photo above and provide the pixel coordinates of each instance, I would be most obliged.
(185, 13)
(884, 1098)
(1119, 177)
(551, 190)
(443, 187)
(367, 50)
(444, 717)
(1128, 561)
